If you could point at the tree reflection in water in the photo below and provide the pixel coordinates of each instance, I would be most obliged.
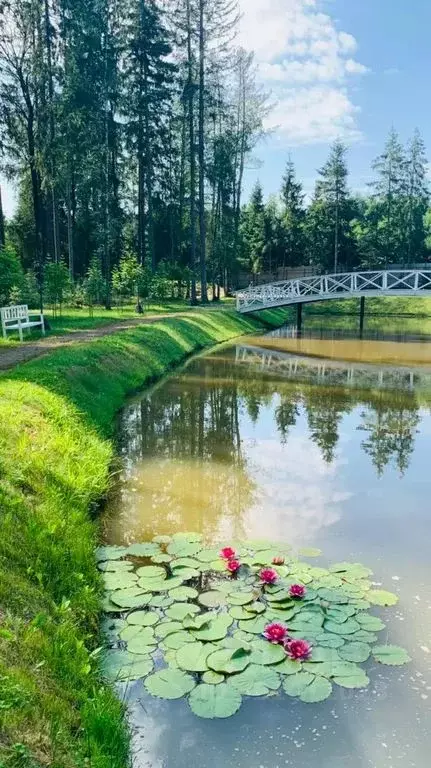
(185, 463)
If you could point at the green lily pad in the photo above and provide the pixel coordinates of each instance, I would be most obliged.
(256, 626)
(161, 601)
(121, 667)
(331, 641)
(392, 655)
(160, 585)
(119, 580)
(143, 618)
(370, 623)
(255, 607)
(288, 667)
(349, 627)
(212, 678)
(185, 573)
(256, 680)
(183, 548)
(152, 572)
(168, 628)
(131, 632)
(310, 552)
(349, 675)
(263, 653)
(212, 599)
(318, 690)
(241, 598)
(179, 611)
(381, 597)
(333, 596)
(183, 593)
(355, 651)
(124, 599)
(228, 660)
(142, 641)
(185, 562)
(356, 569)
(207, 555)
(238, 613)
(199, 620)
(146, 549)
(169, 684)
(115, 566)
(176, 640)
(110, 553)
(215, 630)
(193, 656)
(214, 701)
(109, 607)
(295, 685)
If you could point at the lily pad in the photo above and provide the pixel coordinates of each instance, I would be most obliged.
(228, 660)
(381, 597)
(183, 548)
(193, 656)
(169, 684)
(310, 552)
(392, 655)
(288, 667)
(168, 628)
(256, 680)
(212, 678)
(212, 599)
(185, 573)
(318, 690)
(238, 613)
(241, 598)
(295, 685)
(214, 701)
(176, 640)
(216, 629)
(115, 566)
(179, 611)
(147, 549)
(160, 585)
(152, 572)
(255, 607)
(263, 653)
(143, 618)
(119, 666)
(183, 593)
(357, 652)
(161, 601)
(110, 553)
(142, 642)
(124, 599)
(370, 623)
(349, 675)
(207, 555)
(256, 626)
(349, 627)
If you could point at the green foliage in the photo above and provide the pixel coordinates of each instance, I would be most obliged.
(11, 275)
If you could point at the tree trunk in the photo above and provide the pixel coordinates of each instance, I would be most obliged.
(149, 171)
(202, 227)
(2, 228)
(190, 86)
(52, 153)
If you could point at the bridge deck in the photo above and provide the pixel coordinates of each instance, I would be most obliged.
(407, 282)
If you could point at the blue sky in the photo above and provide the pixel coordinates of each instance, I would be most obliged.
(385, 83)
(335, 68)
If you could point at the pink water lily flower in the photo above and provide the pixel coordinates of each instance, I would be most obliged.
(298, 650)
(297, 590)
(268, 575)
(275, 633)
(233, 566)
(228, 553)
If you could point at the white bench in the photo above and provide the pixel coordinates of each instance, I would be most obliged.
(17, 318)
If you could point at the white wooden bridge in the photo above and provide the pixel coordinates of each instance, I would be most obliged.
(406, 282)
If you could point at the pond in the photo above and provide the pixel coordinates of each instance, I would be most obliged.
(300, 441)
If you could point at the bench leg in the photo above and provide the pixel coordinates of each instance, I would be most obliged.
(43, 325)
(20, 331)
(3, 327)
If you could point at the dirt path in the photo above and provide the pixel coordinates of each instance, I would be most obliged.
(21, 353)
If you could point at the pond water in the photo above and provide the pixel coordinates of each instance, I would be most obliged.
(276, 437)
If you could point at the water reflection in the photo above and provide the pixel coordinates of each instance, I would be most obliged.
(258, 442)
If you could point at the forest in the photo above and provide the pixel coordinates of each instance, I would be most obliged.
(127, 129)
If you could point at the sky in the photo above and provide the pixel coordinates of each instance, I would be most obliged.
(348, 69)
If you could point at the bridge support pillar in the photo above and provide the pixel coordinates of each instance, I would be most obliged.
(362, 316)
(299, 318)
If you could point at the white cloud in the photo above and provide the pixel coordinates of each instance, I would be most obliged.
(308, 63)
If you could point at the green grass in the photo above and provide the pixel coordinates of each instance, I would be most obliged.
(381, 305)
(56, 416)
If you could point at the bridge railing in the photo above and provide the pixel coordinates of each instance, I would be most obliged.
(345, 285)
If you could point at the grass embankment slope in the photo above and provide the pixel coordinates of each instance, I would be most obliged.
(56, 416)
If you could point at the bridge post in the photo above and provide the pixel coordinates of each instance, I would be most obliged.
(362, 317)
(299, 318)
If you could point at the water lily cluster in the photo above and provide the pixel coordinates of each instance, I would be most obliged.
(248, 619)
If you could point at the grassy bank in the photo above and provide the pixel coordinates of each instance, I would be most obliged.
(55, 422)
(380, 305)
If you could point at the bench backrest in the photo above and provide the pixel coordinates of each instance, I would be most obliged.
(19, 312)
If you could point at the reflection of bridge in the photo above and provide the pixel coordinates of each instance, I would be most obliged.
(332, 372)
(407, 282)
